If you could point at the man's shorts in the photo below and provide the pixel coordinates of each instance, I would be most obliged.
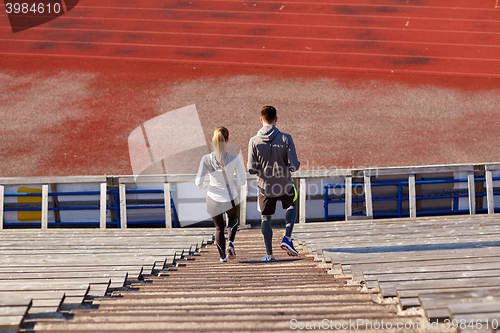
(267, 205)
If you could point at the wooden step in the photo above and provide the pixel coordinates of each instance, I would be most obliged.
(405, 258)
(12, 312)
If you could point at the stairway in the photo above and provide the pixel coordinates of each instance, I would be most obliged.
(200, 294)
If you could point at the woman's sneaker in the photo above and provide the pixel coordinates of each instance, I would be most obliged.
(268, 258)
(287, 245)
(231, 253)
(223, 259)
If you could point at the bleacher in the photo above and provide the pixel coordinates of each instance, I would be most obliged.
(83, 247)
(44, 270)
(448, 266)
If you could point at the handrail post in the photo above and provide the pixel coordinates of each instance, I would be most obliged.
(368, 196)
(168, 207)
(302, 200)
(45, 206)
(412, 200)
(348, 197)
(325, 202)
(472, 193)
(243, 204)
(123, 206)
(102, 208)
(489, 192)
(400, 200)
(2, 192)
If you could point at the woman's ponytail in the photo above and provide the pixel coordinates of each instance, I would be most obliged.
(219, 138)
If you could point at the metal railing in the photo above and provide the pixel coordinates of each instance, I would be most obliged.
(116, 208)
(413, 198)
(112, 195)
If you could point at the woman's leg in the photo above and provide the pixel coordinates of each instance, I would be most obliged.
(215, 210)
(220, 240)
(233, 220)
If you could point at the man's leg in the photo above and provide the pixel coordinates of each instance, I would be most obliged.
(267, 207)
(267, 232)
(290, 217)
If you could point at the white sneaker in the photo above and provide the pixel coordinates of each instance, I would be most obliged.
(223, 260)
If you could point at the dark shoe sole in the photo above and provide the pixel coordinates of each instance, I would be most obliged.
(231, 254)
(289, 250)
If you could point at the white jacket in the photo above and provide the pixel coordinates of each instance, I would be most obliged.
(217, 189)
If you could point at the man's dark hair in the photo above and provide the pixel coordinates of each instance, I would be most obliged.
(268, 113)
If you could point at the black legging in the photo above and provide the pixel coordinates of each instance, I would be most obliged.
(232, 227)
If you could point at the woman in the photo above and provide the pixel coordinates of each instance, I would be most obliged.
(222, 195)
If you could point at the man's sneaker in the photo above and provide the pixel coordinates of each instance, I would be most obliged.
(223, 259)
(287, 245)
(231, 254)
(268, 258)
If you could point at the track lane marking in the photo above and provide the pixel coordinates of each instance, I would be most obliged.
(209, 62)
(266, 37)
(249, 49)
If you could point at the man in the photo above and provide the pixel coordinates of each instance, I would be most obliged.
(272, 156)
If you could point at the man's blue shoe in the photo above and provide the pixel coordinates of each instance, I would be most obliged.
(287, 245)
(266, 258)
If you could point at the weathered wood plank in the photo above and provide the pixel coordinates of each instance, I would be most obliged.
(427, 285)
(434, 276)
(36, 310)
(493, 320)
(13, 310)
(15, 301)
(52, 284)
(451, 266)
(471, 308)
(405, 258)
(33, 295)
(10, 323)
(73, 300)
(417, 292)
(77, 263)
(99, 251)
(62, 275)
(77, 267)
(436, 304)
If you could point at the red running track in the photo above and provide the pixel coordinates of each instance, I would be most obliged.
(350, 80)
(437, 37)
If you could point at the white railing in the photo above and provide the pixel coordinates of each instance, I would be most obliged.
(190, 200)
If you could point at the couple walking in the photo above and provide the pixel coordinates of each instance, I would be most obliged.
(271, 157)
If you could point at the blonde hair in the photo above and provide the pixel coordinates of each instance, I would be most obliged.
(219, 138)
